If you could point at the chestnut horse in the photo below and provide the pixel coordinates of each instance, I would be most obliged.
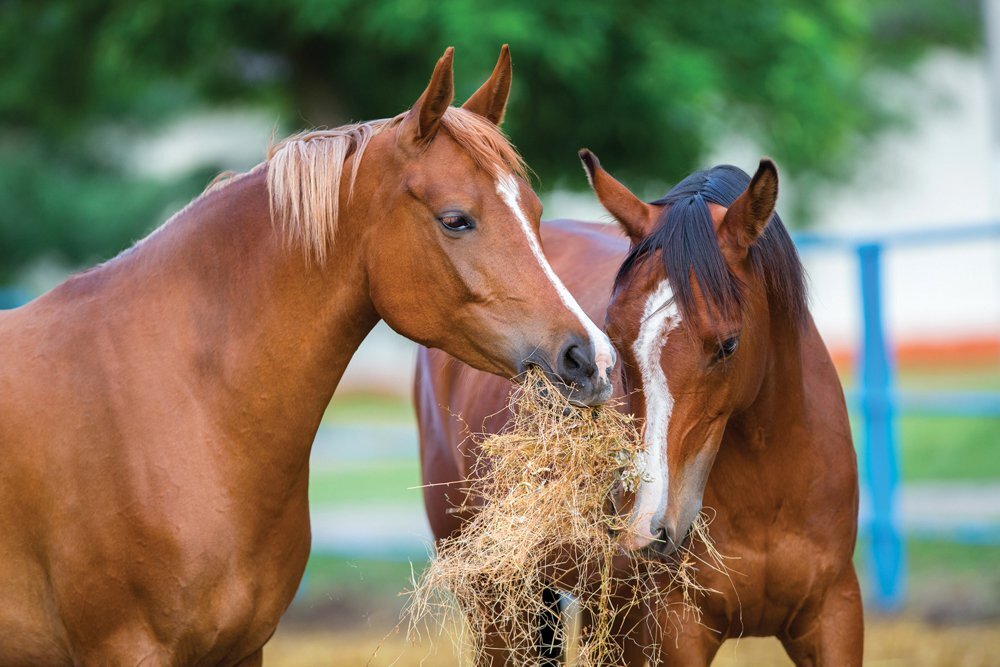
(743, 413)
(157, 412)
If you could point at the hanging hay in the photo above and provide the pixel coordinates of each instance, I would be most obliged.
(544, 519)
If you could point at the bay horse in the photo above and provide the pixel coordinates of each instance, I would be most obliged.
(157, 412)
(742, 412)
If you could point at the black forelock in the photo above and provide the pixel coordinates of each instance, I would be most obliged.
(685, 239)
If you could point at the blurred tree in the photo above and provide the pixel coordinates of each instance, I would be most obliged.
(650, 86)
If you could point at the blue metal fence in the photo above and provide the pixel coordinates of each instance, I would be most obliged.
(880, 402)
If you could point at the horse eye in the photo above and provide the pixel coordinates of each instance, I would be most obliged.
(456, 222)
(727, 348)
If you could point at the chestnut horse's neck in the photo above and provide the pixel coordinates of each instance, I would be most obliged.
(268, 336)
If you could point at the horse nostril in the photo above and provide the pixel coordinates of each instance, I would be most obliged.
(576, 364)
(576, 370)
(572, 358)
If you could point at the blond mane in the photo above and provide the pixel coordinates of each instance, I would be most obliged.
(305, 171)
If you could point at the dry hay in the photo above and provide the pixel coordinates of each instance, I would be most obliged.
(546, 519)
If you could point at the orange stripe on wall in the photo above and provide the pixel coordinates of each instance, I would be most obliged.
(958, 351)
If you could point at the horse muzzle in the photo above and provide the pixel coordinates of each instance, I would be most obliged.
(582, 374)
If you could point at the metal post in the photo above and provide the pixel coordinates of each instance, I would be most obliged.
(880, 465)
(991, 37)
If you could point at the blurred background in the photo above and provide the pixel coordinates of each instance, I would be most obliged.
(882, 116)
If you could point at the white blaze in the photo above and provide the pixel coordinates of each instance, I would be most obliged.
(660, 316)
(604, 355)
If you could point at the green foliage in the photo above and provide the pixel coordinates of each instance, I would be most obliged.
(69, 207)
(649, 86)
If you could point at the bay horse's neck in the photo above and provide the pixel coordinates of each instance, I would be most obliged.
(218, 290)
(768, 447)
(781, 399)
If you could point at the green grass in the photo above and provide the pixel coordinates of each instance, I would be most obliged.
(375, 577)
(384, 481)
(950, 448)
(369, 408)
(946, 580)
(927, 559)
(944, 447)
(933, 569)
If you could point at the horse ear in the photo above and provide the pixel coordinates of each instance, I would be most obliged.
(747, 218)
(422, 121)
(635, 216)
(490, 101)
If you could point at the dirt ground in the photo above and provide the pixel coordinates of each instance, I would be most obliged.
(909, 643)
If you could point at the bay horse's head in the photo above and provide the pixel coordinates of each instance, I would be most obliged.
(450, 236)
(711, 272)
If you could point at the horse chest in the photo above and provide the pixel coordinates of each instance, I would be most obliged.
(190, 618)
(770, 578)
(207, 587)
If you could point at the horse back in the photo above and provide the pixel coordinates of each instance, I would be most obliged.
(457, 404)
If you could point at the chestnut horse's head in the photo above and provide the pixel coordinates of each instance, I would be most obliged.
(710, 272)
(449, 228)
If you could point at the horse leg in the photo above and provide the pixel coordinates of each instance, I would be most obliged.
(255, 659)
(496, 650)
(551, 637)
(629, 635)
(144, 651)
(143, 654)
(834, 635)
(675, 640)
(546, 650)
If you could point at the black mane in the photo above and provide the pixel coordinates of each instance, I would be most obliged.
(685, 238)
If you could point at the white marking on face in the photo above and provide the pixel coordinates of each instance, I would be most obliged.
(604, 354)
(659, 317)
